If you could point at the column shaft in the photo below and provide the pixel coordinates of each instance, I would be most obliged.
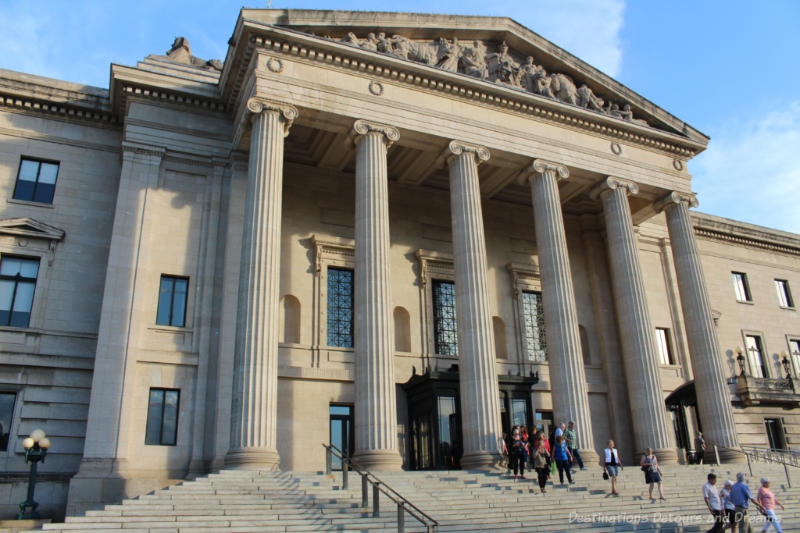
(650, 427)
(254, 410)
(480, 413)
(375, 408)
(713, 396)
(567, 375)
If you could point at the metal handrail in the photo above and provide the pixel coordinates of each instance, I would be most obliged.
(378, 486)
(769, 455)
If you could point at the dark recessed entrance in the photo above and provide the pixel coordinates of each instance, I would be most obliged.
(434, 415)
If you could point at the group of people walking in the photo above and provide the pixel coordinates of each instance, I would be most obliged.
(544, 455)
(729, 506)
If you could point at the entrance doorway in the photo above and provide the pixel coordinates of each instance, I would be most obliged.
(434, 415)
(775, 433)
(342, 432)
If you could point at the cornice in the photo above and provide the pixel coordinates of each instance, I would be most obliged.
(29, 104)
(308, 48)
(129, 90)
(729, 233)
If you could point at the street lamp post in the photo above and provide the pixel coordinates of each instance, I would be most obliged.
(36, 447)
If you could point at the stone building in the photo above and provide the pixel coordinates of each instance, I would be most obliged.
(399, 233)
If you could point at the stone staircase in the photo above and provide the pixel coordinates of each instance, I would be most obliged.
(243, 501)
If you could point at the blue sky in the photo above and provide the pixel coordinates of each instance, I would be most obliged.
(728, 68)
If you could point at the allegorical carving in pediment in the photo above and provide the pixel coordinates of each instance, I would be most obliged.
(496, 63)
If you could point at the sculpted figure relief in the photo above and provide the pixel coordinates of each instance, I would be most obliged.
(499, 66)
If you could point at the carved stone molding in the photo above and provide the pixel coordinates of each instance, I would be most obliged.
(457, 148)
(288, 112)
(611, 183)
(333, 251)
(362, 127)
(275, 65)
(376, 88)
(675, 198)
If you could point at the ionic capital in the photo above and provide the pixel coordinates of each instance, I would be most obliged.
(363, 127)
(287, 112)
(611, 184)
(543, 167)
(675, 198)
(457, 148)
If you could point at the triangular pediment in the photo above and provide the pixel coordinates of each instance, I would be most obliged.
(28, 227)
(491, 49)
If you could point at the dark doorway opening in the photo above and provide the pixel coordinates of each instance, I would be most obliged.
(434, 415)
(342, 432)
(775, 433)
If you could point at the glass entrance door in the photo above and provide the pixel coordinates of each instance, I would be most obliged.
(342, 432)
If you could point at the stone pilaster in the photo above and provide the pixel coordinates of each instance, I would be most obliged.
(375, 407)
(254, 413)
(567, 375)
(604, 313)
(480, 411)
(101, 476)
(713, 397)
(651, 427)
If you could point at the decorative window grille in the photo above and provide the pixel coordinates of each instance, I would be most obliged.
(340, 307)
(444, 317)
(533, 319)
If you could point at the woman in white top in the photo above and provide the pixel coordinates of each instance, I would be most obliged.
(613, 465)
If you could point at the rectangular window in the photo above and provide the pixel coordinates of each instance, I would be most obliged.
(784, 294)
(36, 181)
(444, 318)
(340, 307)
(755, 356)
(17, 284)
(162, 417)
(533, 317)
(794, 351)
(6, 412)
(172, 296)
(741, 287)
(664, 347)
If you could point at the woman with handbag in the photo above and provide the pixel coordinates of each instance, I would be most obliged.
(652, 472)
(541, 463)
(612, 466)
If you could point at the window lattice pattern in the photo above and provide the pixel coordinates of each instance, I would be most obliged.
(533, 316)
(444, 318)
(340, 307)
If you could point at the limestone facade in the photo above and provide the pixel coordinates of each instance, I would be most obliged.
(305, 159)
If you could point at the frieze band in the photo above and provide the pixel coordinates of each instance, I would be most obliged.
(499, 66)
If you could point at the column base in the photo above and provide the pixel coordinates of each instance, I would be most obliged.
(590, 457)
(252, 459)
(727, 455)
(482, 461)
(666, 456)
(379, 461)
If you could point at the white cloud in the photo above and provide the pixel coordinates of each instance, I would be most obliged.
(751, 170)
(588, 29)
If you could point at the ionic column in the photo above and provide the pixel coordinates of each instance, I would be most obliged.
(254, 413)
(567, 375)
(480, 411)
(375, 408)
(713, 397)
(650, 425)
